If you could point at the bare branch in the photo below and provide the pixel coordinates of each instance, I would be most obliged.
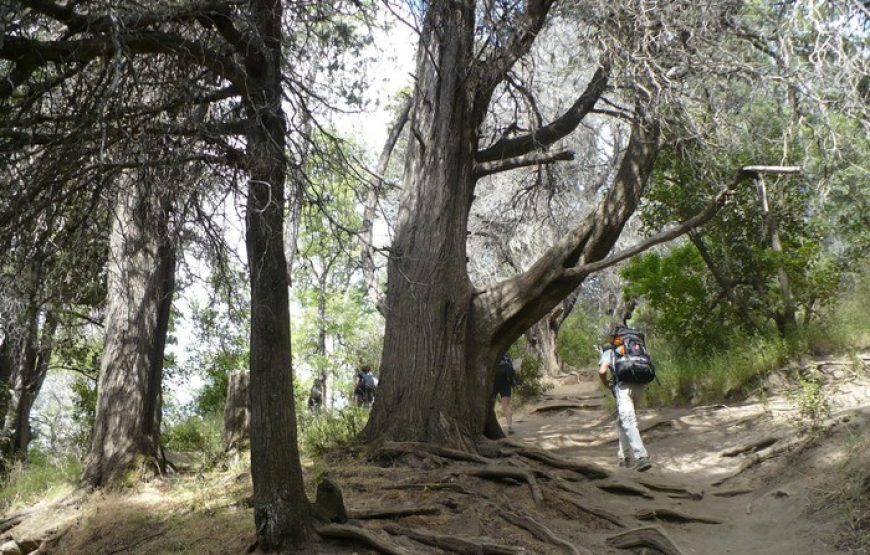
(557, 129)
(496, 166)
(718, 201)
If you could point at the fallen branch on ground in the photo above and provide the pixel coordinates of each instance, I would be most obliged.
(733, 492)
(347, 532)
(754, 445)
(645, 537)
(392, 512)
(562, 405)
(452, 543)
(542, 532)
(671, 515)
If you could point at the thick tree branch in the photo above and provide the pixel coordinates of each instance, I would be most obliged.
(493, 69)
(17, 49)
(557, 129)
(702, 217)
(488, 168)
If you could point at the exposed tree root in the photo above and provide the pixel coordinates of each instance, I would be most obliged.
(645, 537)
(733, 492)
(347, 532)
(12, 521)
(562, 405)
(594, 510)
(755, 445)
(455, 544)
(624, 488)
(655, 423)
(393, 448)
(589, 470)
(671, 515)
(675, 490)
(542, 532)
(392, 512)
(501, 472)
(763, 455)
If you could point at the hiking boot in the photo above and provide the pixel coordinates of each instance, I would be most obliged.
(510, 431)
(642, 464)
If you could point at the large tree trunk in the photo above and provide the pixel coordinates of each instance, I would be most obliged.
(442, 336)
(141, 280)
(785, 320)
(427, 371)
(281, 509)
(27, 383)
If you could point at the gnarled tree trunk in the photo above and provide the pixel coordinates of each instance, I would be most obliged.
(542, 336)
(442, 335)
(141, 280)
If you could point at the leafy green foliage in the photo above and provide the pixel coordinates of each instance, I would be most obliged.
(529, 375)
(578, 335)
(27, 482)
(331, 430)
(200, 436)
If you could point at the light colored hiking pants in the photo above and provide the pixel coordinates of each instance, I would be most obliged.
(626, 424)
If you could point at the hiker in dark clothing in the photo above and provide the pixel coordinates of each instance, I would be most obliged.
(364, 385)
(315, 396)
(505, 381)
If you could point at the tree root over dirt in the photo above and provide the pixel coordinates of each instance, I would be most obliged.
(394, 448)
(675, 491)
(754, 446)
(391, 512)
(594, 510)
(589, 470)
(355, 533)
(454, 544)
(670, 515)
(541, 532)
(645, 537)
(496, 472)
(614, 485)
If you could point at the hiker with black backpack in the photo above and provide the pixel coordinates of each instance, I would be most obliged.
(505, 381)
(364, 386)
(625, 368)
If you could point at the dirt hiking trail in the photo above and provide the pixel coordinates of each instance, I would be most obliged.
(771, 489)
(741, 479)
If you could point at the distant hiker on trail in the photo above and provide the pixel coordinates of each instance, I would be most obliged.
(315, 396)
(624, 368)
(505, 381)
(364, 385)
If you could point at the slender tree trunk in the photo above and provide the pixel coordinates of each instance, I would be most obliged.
(543, 335)
(27, 384)
(141, 281)
(281, 509)
(786, 319)
(725, 283)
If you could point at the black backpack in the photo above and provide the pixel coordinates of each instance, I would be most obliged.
(632, 363)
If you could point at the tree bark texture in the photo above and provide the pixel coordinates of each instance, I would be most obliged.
(237, 412)
(425, 366)
(786, 319)
(140, 284)
(281, 509)
(442, 336)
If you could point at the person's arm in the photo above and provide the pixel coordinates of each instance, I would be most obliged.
(603, 371)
